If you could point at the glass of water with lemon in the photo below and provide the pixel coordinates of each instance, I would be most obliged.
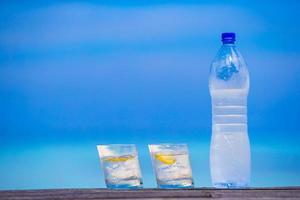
(171, 165)
(120, 165)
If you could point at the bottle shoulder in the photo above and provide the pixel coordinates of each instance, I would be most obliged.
(228, 70)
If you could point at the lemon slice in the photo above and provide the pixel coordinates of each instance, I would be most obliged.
(119, 159)
(166, 159)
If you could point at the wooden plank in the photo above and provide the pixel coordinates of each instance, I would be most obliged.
(152, 194)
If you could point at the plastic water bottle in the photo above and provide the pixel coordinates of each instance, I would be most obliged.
(230, 148)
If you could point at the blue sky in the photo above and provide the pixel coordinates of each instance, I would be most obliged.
(74, 74)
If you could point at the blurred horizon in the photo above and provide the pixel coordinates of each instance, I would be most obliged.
(74, 74)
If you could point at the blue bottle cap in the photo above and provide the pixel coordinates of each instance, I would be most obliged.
(228, 38)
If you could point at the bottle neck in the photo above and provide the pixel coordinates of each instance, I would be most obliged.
(229, 44)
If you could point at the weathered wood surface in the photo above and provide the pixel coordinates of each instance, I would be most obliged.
(152, 194)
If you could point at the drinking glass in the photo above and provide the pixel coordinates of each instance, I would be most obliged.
(171, 165)
(120, 165)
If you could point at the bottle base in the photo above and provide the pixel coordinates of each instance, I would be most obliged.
(230, 185)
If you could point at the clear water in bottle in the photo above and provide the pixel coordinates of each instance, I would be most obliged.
(230, 148)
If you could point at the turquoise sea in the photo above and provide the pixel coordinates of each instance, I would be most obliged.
(275, 162)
